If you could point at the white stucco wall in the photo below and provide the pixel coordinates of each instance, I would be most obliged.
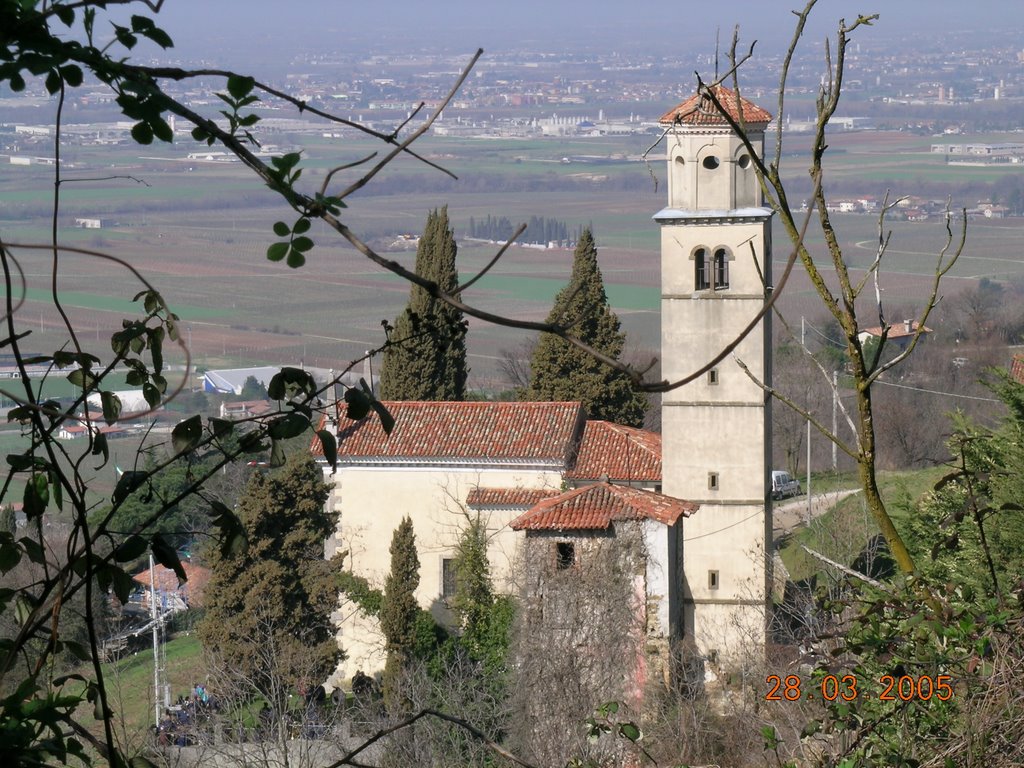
(660, 583)
(693, 185)
(370, 502)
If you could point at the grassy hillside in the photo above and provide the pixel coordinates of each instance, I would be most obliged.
(840, 533)
(130, 683)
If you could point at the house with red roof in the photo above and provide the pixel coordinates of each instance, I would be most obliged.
(601, 584)
(173, 594)
(503, 461)
(899, 334)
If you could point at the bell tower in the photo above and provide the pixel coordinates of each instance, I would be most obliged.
(716, 430)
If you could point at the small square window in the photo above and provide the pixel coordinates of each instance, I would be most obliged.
(712, 579)
(712, 481)
(448, 584)
(565, 555)
(713, 376)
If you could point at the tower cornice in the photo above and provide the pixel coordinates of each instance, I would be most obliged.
(678, 216)
(755, 133)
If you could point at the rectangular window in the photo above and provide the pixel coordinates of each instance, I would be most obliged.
(712, 481)
(701, 270)
(721, 268)
(448, 585)
(565, 555)
(712, 579)
(713, 376)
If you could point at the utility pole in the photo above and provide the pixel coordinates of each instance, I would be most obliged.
(154, 614)
(803, 343)
(835, 418)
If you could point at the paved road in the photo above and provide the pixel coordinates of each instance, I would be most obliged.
(789, 515)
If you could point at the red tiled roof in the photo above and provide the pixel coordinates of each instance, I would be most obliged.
(621, 453)
(700, 110)
(896, 330)
(595, 507)
(508, 497)
(474, 430)
(1017, 369)
(166, 580)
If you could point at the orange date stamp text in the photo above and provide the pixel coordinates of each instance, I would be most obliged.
(851, 687)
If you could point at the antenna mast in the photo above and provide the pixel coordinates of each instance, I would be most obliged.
(718, 34)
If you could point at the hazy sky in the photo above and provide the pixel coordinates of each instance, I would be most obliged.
(271, 26)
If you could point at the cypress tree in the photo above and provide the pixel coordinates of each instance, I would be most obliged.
(281, 591)
(561, 371)
(428, 359)
(399, 612)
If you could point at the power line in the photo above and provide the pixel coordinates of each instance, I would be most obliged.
(937, 392)
(712, 533)
(905, 386)
(830, 340)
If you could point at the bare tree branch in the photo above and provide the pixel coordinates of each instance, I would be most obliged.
(848, 571)
(494, 747)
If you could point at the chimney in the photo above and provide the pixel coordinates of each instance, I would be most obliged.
(908, 325)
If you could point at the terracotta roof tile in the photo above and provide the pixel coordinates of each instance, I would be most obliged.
(896, 330)
(474, 430)
(1017, 369)
(618, 452)
(700, 110)
(523, 498)
(595, 507)
(165, 580)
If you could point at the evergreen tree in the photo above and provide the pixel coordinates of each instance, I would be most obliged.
(428, 359)
(485, 620)
(970, 530)
(279, 594)
(561, 371)
(181, 523)
(253, 389)
(399, 613)
(473, 593)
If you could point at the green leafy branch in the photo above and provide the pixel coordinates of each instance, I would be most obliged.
(238, 97)
(298, 244)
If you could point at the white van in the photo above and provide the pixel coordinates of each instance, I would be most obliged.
(784, 484)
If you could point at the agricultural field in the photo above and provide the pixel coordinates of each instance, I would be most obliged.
(198, 231)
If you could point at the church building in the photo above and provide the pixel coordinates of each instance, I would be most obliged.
(693, 501)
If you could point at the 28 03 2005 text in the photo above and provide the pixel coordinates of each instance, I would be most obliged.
(849, 687)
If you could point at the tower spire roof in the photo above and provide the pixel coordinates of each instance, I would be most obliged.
(700, 110)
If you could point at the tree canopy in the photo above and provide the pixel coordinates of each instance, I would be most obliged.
(427, 357)
(280, 590)
(971, 527)
(562, 371)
